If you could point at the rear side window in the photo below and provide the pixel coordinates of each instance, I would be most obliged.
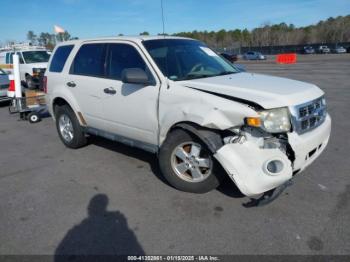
(59, 58)
(89, 60)
(123, 56)
(9, 58)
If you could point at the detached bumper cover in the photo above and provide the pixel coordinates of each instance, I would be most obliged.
(246, 163)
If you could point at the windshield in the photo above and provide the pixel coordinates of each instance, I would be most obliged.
(182, 59)
(35, 56)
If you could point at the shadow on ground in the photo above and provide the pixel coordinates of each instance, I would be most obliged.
(101, 233)
(227, 187)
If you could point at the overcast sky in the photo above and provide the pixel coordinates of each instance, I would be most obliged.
(94, 18)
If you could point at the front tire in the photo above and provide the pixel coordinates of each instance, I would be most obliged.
(187, 164)
(68, 128)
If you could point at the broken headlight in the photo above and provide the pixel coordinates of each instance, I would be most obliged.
(275, 120)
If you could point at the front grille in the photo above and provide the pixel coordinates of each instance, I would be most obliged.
(309, 115)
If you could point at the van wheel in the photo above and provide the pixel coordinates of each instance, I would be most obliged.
(68, 128)
(187, 164)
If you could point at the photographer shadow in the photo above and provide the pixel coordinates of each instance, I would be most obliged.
(101, 233)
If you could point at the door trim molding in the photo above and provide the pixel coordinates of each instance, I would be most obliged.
(122, 139)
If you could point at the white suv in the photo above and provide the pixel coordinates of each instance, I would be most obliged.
(178, 98)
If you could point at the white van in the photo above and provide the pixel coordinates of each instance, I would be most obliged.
(33, 63)
(177, 98)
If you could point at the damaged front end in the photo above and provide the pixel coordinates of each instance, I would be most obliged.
(256, 160)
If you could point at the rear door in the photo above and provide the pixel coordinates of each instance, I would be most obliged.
(86, 80)
(130, 111)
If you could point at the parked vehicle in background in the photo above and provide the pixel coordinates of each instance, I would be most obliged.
(348, 49)
(339, 50)
(308, 50)
(251, 55)
(178, 98)
(4, 84)
(230, 57)
(33, 63)
(323, 49)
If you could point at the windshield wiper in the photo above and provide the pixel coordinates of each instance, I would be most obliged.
(196, 76)
(226, 73)
(189, 77)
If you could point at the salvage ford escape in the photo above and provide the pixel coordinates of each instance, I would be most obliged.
(177, 98)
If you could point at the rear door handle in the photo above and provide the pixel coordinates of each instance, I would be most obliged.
(110, 91)
(71, 84)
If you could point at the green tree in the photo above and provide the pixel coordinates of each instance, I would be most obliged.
(31, 37)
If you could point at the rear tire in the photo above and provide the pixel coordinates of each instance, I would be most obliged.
(182, 169)
(68, 128)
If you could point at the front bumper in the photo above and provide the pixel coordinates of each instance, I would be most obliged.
(246, 163)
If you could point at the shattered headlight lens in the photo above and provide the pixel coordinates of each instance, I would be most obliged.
(275, 120)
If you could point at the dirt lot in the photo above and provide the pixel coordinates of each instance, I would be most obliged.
(54, 200)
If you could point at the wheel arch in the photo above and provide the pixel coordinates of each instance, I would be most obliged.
(61, 101)
(210, 137)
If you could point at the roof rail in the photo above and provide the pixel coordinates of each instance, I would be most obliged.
(21, 47)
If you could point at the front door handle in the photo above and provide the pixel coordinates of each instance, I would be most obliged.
(110, 91)
(71, 84)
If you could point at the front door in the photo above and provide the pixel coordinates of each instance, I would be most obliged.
(130, 110)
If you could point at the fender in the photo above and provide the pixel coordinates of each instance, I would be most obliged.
(179, 104)
(71, 101)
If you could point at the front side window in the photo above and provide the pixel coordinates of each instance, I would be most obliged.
(31, 57)
(2, 72)
(123, 56)
(59, 58)
(89, 60)
(182, 59)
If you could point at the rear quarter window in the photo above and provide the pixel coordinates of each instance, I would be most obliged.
(59, 58)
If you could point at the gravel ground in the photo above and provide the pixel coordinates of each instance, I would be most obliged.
(107, 198)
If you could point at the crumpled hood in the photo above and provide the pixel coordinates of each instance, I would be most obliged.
(266, 91)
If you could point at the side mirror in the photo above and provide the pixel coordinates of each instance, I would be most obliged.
(135, 76)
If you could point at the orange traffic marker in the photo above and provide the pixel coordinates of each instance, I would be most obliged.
(286, 58)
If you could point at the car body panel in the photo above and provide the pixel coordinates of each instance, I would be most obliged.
(340, 50)
(323, 49)
(253, 56)
(146, 115)
(183, 104)
(271, 92)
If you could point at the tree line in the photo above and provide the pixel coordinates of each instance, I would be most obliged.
(48, 40)
(332, 30)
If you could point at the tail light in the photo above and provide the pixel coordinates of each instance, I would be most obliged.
(12, 84)
(45, 84)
